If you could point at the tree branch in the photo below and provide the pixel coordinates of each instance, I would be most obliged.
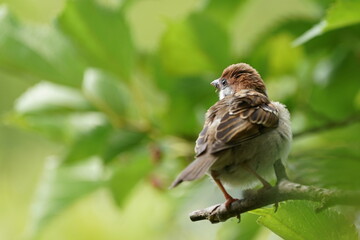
(284, 190)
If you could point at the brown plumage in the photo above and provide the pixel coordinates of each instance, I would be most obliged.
(244, 132)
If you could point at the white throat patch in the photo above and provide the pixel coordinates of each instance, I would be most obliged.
(225, 92)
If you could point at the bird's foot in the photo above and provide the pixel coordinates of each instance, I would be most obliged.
(229, 201)
(276, 206)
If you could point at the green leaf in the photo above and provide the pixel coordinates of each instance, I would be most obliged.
(342, 14)
(148, 29)
(247, 30)
(37, 51)
(190, 102)
(46, 97)
(334, 76)
(180, 52)
(315, 31)
(103, 141)
(127, 174)
(283, 58)
(297, 220)
(87, 144)
(107, 94)
(101, 34)
(59, 112)
(60, 127)
(246, 230)
(222, 11)
(211, 38)
(120, 141)
(329, 159)
(60, 187)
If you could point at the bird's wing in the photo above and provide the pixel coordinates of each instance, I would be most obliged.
(248, 115)
(228, 123)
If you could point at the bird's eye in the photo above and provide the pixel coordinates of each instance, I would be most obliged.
(223, 82)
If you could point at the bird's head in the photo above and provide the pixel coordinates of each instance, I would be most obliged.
(238, 77)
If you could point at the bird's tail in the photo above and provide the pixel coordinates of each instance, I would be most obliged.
(195, 170)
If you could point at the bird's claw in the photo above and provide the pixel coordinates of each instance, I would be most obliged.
(229, 201)
(276, 207)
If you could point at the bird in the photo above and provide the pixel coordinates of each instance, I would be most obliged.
(244, 134)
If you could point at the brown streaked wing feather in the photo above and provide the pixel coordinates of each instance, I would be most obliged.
(205, 137)
(201, 141)
(250, 114)
(270, 116)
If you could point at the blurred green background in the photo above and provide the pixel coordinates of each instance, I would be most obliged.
(101, 102)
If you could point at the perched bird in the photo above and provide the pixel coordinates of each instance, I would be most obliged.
(244, 133)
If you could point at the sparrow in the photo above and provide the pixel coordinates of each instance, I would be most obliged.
(244, 134)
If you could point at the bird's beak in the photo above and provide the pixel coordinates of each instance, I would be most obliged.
(215, 83)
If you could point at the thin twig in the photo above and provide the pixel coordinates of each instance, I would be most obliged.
(284, 190)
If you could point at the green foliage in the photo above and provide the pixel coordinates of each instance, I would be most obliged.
(57, 111)
(122, 87)
(87, 144)
(132, 171)
(341, 14)
(106, 94)
(101, 34)
(62, 186)
(297, 220)
(38, 51)
(180, 52)
(47, 97)
(246, 231)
